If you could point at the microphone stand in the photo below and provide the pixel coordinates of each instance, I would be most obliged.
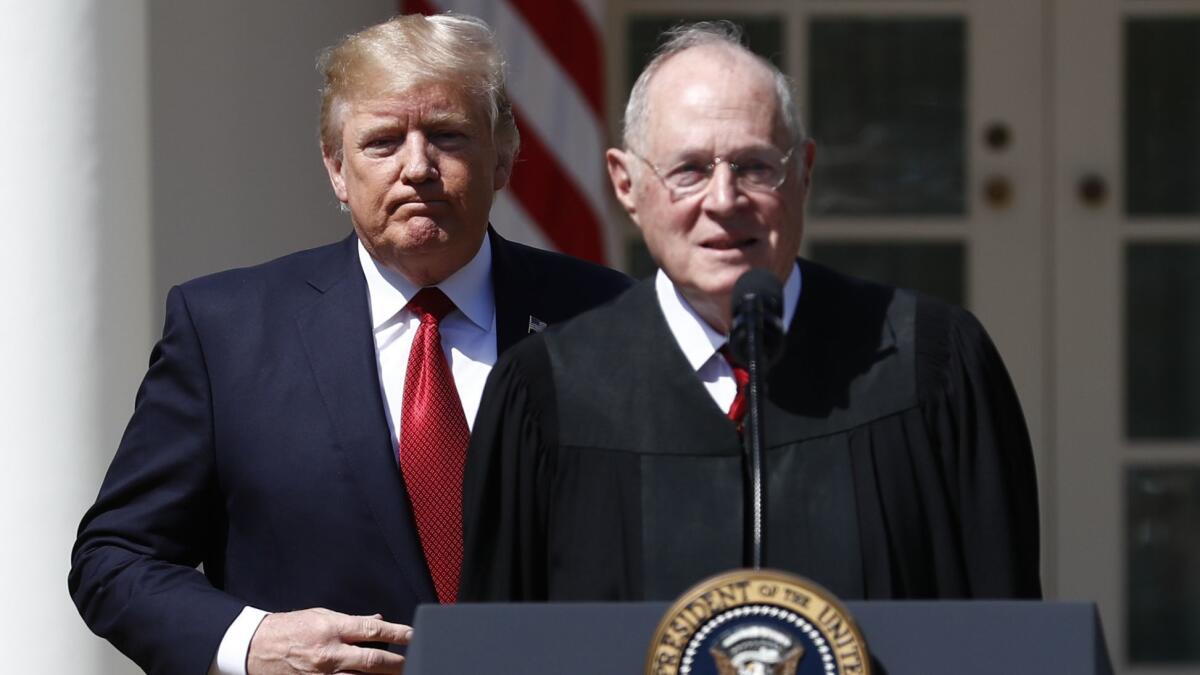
(753, 440)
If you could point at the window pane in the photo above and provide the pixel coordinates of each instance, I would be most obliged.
(1164, 556)
(1162, 116)
(1162, 341)
(887, 108)
(936, 269)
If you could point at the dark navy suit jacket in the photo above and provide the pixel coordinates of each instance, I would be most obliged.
(259, 449)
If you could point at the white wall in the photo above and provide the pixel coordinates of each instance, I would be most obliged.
(237, 170)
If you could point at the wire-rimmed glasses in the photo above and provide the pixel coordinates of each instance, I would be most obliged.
(763, 170)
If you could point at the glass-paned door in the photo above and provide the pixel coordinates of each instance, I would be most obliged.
(1127, 242)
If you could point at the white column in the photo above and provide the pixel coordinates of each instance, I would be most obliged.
(75, 299)
(83, 270)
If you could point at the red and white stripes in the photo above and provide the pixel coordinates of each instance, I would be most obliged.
(556, 198)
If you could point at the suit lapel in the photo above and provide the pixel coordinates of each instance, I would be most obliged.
(336, 332)
(514, 287)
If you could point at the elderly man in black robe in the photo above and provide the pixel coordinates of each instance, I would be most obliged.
(605, 463)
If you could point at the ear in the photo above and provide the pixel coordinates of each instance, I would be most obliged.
(503, 173)
(809, 154)
(619, 173)
(333, 167)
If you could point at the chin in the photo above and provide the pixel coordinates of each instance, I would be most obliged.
(417, 239)
(720, 285)
(728, 275)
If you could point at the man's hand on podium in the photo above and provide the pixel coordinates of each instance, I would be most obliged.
(322, 641)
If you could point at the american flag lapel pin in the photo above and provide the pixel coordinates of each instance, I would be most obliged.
(536, 325)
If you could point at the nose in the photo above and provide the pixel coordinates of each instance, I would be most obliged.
(722, 193)
(419, 165)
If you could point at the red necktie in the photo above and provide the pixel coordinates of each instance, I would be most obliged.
(737, 410)
(433, 445)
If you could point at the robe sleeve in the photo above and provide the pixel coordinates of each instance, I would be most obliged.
(506, 482)
(974, 417)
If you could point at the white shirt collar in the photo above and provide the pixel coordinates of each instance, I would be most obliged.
(696, 338)
(470, 288)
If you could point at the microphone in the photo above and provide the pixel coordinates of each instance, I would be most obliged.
(757, 299)
(756, 342)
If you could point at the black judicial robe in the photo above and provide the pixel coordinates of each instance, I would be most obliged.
(898, 458)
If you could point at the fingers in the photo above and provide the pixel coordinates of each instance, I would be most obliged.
(322, 641)
(373, 629)
(353, 659)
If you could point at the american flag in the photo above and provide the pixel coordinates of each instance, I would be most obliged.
(556, 198)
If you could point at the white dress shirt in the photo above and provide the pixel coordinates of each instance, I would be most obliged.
(701, 343)
(469, 341)
(468, 333)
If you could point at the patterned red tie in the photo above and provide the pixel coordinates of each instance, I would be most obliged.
(737, 410)
(433, 445)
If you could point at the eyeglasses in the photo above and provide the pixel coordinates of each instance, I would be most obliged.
(757, 171)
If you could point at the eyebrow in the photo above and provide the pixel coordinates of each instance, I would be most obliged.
(444, 117)
(388, 123)
(692, 155)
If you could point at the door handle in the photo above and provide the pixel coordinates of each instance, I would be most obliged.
(997, 191)
(1092, 190)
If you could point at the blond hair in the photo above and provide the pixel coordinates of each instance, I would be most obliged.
(410, 50)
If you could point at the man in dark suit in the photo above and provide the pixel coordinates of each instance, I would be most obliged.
(606, 458)
(301, 430)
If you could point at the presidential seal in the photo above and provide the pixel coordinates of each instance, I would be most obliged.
(757, 622)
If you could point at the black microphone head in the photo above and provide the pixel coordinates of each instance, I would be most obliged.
(757, 293)
(758, 282)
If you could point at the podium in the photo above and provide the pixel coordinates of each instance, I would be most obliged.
(904, 638)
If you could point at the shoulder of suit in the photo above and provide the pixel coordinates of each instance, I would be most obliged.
(565, 266)
(280, 285)
(297, 265)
